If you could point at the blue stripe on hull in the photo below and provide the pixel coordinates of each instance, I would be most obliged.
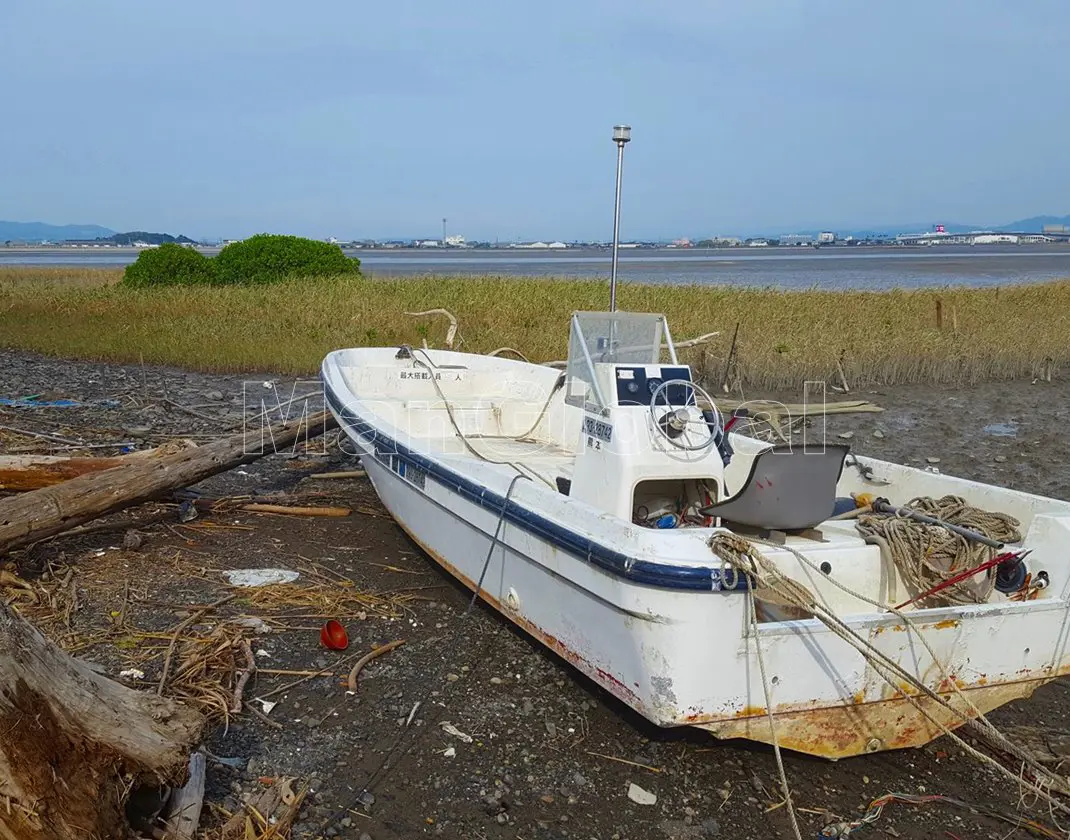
(632, 569)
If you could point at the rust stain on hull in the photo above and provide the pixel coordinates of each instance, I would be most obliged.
(893, 724)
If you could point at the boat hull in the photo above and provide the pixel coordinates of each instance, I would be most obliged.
(521, 590)
(653, 619)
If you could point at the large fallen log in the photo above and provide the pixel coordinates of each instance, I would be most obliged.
(22, 473)
(74, 746)
(33, 516)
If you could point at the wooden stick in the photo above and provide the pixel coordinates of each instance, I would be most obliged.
(193, 413)
(178, 631)
(368, 657)
(247, 672)
(255, 712)
(839, 368)
(624, 761)
(42, 436)
(321, 673)
(284, 510)
(728, 361)
(339, 475)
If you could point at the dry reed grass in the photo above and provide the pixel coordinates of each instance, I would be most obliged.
(784, 337)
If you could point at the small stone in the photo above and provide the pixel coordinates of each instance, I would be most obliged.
(551, 729)
(214, 396)
(527, 707)
(364, 836)
(641, 796)
(495, 680)
(932, 459)
(845, 435)
(501, 819)
(878, 434)
(1000, 459)
(452, 678)
(331, 831)
(346, 822)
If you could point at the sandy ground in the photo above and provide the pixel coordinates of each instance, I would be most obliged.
(551, 755)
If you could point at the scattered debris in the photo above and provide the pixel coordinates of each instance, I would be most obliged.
(368, 657)
(640, 796)
(184, 808)
(132, 674)
(333, 635)
(450, 729)
(337, 475)
(267, 705)
(251, 578)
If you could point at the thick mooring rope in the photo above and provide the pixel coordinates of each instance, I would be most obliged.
(927, 555)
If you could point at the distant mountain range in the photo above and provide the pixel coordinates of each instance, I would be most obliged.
(34, 232)
(41, 232)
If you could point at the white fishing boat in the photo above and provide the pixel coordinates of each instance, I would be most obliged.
(703, 577)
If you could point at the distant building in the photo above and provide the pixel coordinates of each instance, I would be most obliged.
(826, 237)
(796, 239)
(1056, 229)
(428, 243)
(681, 243)
(757, 243)
(995, 239)
(455, 241)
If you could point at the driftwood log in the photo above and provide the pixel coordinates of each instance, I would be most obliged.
(74, 746)
(33, 516)
(21, 473)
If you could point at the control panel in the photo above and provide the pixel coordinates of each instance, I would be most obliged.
(636, 384)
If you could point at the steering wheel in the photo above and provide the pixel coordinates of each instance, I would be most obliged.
(676, 424)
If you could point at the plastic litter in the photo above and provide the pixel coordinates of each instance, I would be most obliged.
(266, 705)
(132, 674)
(249, 578)
(333, 636)
(33, 402)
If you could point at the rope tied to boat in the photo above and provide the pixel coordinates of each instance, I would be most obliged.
(928, 555)
(765, 581)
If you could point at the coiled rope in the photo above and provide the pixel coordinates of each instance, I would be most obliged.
(928, 555)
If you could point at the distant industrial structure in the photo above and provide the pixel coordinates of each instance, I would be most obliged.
(940, 236)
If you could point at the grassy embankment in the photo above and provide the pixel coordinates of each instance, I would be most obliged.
(784, 337)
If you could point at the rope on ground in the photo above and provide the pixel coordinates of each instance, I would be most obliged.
(928, 555)
(775, 587)
(845, 829)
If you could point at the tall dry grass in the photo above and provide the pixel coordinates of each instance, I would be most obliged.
(784, 337)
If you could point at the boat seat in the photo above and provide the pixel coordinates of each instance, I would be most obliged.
(785, 490)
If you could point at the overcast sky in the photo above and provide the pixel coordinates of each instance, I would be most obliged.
(358, 119)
